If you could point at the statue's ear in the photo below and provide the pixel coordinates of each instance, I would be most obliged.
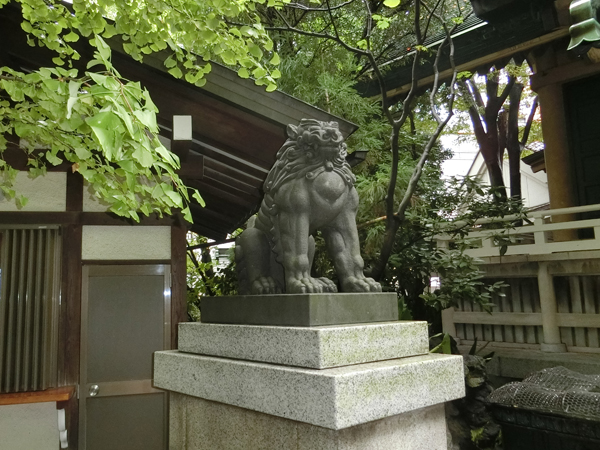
(292, 131)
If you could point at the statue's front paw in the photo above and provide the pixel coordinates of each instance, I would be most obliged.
(328, 285)
(360, 284)
(303, 286)
(374, 286)
(265, 285)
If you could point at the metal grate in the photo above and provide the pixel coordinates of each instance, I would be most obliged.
(29, 299)
(555, 390)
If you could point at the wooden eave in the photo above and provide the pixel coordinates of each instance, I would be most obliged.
(477, 47)
(536, 161)
(238, 127)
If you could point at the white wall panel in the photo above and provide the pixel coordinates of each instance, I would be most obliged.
(134, 242)
(31, 426)
(45, 193)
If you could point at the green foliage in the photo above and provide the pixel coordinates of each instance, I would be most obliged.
(192, 32)
(324, 73)
(323, 76)
(445, 346)
(463, 127)
(438, 209)
(67, 115)
(103, 125)
(205, 277)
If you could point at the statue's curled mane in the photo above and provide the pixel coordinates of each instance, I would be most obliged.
(301, 155)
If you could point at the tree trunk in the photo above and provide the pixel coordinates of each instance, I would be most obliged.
(378, 269)
(496, 180)
(513, 146)
(492, 155)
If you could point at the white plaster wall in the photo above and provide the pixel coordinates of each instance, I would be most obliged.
(29, 427)
(126, 242)
(91, 203)
(45, 193)
(534, 186)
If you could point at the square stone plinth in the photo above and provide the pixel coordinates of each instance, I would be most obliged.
(334, 398)
(301, 310)
(197, 424)
(314, 347)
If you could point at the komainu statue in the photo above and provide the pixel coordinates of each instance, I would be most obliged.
(310, 188)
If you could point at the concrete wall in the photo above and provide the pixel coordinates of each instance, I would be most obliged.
(29, 427)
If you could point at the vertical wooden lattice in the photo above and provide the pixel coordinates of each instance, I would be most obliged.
(29, 300)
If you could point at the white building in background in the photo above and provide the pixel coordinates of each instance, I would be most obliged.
(468, 161)
(222, 254)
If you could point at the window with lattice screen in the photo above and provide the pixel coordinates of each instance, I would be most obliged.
(29, 304)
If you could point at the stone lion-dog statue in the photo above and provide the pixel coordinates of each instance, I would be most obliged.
(310, 188)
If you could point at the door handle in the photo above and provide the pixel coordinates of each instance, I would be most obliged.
(94, 388)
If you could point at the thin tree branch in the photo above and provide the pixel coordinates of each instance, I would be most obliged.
(416, 175)
(332, 19)
(418, 22)
(431, 15)
(478, 128)
(290, 29)
(511, 82)
(529, 123)
(309, 9)
(474, 91)
(369, 24)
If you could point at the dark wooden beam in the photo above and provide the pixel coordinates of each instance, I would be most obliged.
(74, 191)
(244, 177)
(209, 232)
(178, 279)
(74, 217)
(212, 217)
(223, 192)
(70, 322)
(226, 157)
(192, 166)
(237, 184)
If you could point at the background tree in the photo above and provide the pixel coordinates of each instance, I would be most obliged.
(103, 125)
(320, 69)
(368, 30)
(496, 125)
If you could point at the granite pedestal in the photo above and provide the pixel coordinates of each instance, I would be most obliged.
(352, 386)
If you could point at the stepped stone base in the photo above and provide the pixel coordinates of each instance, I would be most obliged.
(312, 347)
(332, 398)
(301, 310)
(296, 375)
(198, 424)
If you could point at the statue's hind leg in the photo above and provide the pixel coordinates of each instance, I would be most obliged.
(256, 253)
(326, 283)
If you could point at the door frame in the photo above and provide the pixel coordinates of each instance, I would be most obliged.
(119, 387)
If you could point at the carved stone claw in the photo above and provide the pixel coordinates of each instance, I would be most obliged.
(328, 285)
(362, 284)
(374, 285)
(265, 285)
(304, 286)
